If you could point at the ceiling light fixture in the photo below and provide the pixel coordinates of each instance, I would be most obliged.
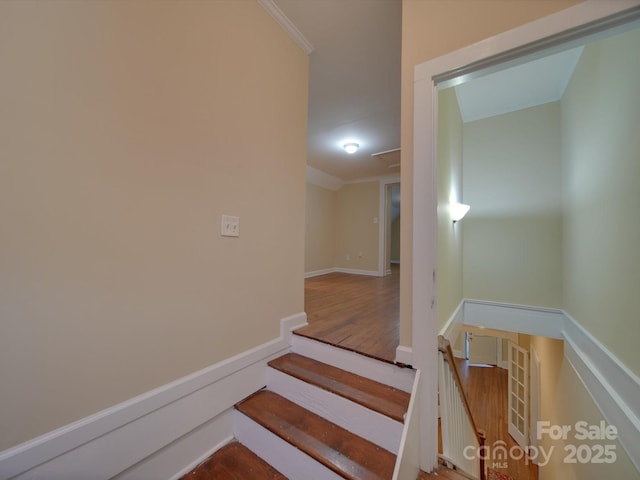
(351, 147)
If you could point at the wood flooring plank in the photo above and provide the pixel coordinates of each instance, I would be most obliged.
(356, 312)
(338, 449)
(376, 396)
(487, 391)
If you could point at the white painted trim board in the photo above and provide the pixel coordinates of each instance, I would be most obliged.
(114, 440)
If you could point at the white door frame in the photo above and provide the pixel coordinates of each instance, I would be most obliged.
(534, 394)
(382, 221)
(565, 29)
(518, 372)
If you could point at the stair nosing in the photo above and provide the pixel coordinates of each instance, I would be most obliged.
(308, 449)
(371, 401)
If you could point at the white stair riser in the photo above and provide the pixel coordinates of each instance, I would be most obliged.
(281, 455)
(392, 375)
(373, 426)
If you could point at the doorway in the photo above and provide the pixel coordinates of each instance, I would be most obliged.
(481, 349)
(392, 227)
(573, 27)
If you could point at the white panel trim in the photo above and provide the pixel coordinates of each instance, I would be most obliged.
(291, 323)
(404, 355)
(111, 441)
(287, 25)
(545, 322)
(205, 439)
(614, 388)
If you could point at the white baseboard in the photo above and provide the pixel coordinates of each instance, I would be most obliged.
(354, 271)
(404, 355)
(133, 436)
(190, 450)
(317, 273)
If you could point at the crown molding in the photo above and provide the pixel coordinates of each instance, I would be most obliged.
(295, 34)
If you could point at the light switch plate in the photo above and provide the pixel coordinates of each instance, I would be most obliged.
(230, 226)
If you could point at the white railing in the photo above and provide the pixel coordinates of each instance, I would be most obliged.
(461, 440)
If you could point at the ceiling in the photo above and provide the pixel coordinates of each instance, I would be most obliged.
(354, 51)
(534, 83)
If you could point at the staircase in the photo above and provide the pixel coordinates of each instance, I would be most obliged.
(325, 413)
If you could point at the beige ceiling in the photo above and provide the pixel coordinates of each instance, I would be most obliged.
(354, 85)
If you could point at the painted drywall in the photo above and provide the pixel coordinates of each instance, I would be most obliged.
(513, 233)
(126, 130)
(601, 171)
(320, 235)
(431, 28)
(357, 210)
(564, 400)
(450, 151)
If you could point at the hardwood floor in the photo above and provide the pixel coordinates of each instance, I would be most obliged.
(355, 312)
(486, 390)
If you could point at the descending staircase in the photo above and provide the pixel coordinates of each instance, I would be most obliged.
(325, 413)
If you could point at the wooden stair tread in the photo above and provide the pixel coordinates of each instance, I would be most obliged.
(345, 453)
(376, 396)
(234, 461)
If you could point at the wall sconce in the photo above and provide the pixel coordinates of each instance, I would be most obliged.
(458, 211)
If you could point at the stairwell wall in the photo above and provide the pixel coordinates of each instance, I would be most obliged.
(601, 184)
(512, 173)
(450, 154)
(126, 130)
(431, 28)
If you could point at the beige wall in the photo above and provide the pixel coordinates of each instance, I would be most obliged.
(320, 234)
(126, 130)
(357, 204)
(564, 400)
(600, 118)
(450, 142)
(513, 233)
(431, 28)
